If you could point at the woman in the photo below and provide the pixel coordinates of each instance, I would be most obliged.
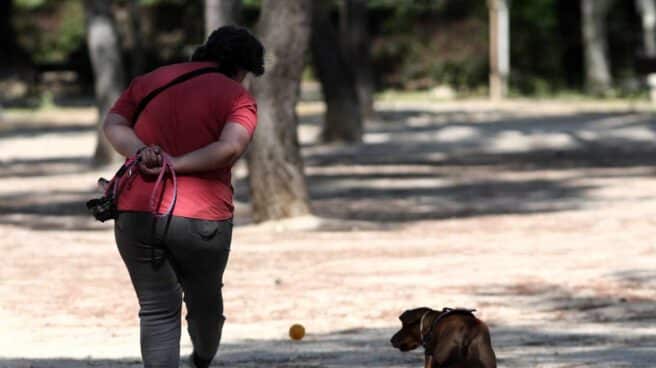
(201, 127)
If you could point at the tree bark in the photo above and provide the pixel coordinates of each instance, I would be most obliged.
(647, 10)
(342, 121)
(13, 59)
(597, 70)
(220, 13)
(277, 182)
(109, 78)
(138, 54)
(7, 34)
(356, 41)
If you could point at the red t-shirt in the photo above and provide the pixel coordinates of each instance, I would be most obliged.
(183, 118)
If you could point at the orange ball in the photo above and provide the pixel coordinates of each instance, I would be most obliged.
(296, 332)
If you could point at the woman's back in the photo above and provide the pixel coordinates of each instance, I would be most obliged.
(182, 119)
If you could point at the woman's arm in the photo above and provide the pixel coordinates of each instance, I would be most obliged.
(231, 145)
(120, 134)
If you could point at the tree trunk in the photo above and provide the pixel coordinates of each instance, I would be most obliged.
(138, 54)
(109, 79)
(277, 182)
(354, 34)
(342, 120)
(7, 35)
(12, 57)
(499, 48)
(220, 13)
(647, 10)
(597, 70)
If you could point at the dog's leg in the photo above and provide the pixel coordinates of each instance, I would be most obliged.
(487, 357)
(448, 354)
(428, 361)
(481, 350)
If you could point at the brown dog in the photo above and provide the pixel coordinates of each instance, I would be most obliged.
(452, 338)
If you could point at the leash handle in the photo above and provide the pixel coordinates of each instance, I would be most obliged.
(167, 165)
(114, 185)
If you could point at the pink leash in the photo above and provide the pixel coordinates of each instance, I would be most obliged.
(167, 165)
(117, 182)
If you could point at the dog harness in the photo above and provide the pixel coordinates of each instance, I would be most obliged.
(426, 337)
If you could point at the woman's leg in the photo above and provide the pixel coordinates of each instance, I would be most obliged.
(157, 287)
(200, 251)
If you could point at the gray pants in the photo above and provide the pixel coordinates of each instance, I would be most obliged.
(166, 258)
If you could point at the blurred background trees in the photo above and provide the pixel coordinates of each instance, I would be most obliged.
(70, 52)
(220, 13)
(355, 37)
(108, 70)
(414, 45)
(335, 70)
(597, 63)
(12, 56)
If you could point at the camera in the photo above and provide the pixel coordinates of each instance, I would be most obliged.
(103, 208)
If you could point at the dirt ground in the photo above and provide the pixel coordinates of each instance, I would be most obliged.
(541, 215)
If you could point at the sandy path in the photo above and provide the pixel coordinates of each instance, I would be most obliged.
(540, 217)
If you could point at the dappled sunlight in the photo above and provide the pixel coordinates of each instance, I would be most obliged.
(352, 159)
(537, 220)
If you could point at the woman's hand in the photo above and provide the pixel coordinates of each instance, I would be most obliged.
(150, 160)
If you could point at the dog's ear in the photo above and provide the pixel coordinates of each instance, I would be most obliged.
(413, 315)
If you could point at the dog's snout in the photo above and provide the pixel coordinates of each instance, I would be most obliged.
(395, 340)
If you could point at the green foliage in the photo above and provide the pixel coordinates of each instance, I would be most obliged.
(29, 4)
(160, 2)
(56, 32)
(251, 3)
(46, 100)
(416, 44)
(536, 50)
(424, 44)
(407, 5)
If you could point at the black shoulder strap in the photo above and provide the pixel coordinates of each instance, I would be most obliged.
(180, 79)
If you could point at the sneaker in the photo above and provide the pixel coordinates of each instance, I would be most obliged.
(190, 362)
(196, 362)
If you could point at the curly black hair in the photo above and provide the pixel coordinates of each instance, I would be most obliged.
(233, 48)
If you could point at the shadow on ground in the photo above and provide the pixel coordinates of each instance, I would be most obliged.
(51, 166)
(49, 210)
(615, 298)
(422, 165)
(418, 165)
(369, 347)
(34, 130)
(577, 140)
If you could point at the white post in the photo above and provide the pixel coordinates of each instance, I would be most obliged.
(499, 48)
(647, 10)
